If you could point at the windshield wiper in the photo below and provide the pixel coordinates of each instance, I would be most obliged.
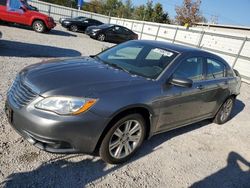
(115, 66)
(118, 67)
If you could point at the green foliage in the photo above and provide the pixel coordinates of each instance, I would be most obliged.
(67, 3)
(122, 8)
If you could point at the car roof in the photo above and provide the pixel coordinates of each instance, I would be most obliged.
(180, 48)
(167, 45)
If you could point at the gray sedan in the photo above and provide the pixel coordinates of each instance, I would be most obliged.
(110, 103)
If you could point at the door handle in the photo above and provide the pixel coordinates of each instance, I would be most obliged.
(200, 87)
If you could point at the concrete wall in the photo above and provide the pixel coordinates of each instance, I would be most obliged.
(225, 30)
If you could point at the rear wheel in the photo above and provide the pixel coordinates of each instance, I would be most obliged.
(123, 139)
(223, 115)
(101, 37)
(39, 26)
(73, 28)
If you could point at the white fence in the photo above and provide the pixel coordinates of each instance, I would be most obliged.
(235, 49)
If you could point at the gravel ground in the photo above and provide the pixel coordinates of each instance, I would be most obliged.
(199, 155)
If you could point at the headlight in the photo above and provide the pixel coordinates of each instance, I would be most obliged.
(95, 30)
(66, 105)
(66, 22)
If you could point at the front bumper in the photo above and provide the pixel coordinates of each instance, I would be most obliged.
(65, 25)
(55, 133)
(51, 25)
(93, 34)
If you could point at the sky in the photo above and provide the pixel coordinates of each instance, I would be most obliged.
(229, 12)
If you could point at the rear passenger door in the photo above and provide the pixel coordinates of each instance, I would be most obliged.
(114, 34)
(84, 23)
(216, 87)
(126, 34)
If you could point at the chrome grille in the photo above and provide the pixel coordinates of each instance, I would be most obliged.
(20, 94)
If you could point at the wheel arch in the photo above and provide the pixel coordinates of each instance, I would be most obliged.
(219, 107)
(37, 19)
(142, 110)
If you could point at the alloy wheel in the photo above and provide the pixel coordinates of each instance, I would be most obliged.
(74, 28)
(101, 37)
(38, 27)
(125, 139)
(226, 109)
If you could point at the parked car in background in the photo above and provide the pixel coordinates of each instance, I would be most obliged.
(74, 18)
(18, 11)
(1, 35)
(111, 33)
(111, 102)
(80, 24)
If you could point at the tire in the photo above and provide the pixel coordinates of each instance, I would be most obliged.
(224, 113)
(73, 28)
(48, 30)
(101, 37)
(39, 26)
(122, 147)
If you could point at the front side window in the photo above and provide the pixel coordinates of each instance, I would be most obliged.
(14, 5)
(215, 69)
(191, 68)
(138, 58)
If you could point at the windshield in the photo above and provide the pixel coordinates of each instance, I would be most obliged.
(103, 26)
(138, 58)
(80, 18)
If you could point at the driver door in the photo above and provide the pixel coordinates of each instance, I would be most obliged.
(15, 13)
(181, 105)
(114, 34)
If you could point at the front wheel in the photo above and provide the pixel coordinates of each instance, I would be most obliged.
(39, 26)
(123, 139)
(223, 115)
(101, 37)
(73, 28)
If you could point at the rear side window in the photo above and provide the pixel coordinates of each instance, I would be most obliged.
(3, 2)
(126, 31)
(191, 68)
(215, 69)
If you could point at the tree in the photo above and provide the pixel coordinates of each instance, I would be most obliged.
(93, 6)
(159, 15)
(189, 12)
(139, 12)
(111, 7)
(122, 8)
(149, 11)
(128, 8)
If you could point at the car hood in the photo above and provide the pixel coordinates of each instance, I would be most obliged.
(38, 14)
(83, 76)
(69, 19)
(93, 27)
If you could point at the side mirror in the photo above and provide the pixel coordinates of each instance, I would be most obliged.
(182, 82)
